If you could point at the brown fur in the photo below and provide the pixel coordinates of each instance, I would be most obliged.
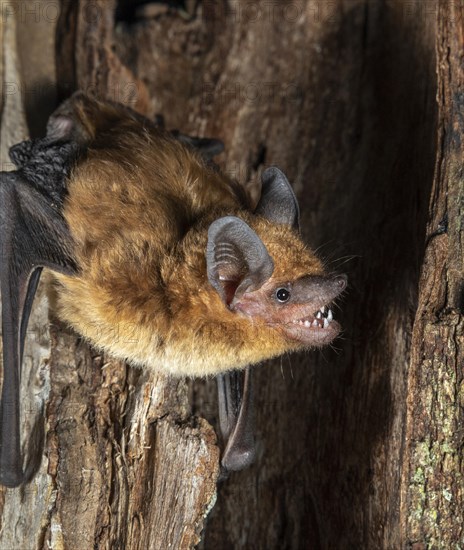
(139, 207)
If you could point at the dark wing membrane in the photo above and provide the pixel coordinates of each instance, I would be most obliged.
(33, 234)
(208, 147)
(236, 419)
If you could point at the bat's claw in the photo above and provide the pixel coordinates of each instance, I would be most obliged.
(11, 478)
(238, 459)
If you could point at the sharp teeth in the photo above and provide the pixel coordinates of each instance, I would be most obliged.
(318, 315)
(323, 309)
(326, 323)
(329, 315)
(307, 323)
(315, 323)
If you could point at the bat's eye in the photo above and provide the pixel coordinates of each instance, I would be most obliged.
(283, 295)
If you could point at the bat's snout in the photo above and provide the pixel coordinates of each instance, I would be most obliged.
(340, 282)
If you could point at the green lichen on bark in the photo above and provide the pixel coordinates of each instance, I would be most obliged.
(433, 501)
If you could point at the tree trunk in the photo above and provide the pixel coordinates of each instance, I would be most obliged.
(360, 445)
(432, 506)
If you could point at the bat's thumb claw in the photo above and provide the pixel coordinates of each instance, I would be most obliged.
(238, 459)
(12, 478)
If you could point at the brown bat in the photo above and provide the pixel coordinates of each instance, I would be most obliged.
(157, 259)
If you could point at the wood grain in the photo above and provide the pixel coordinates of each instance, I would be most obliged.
(359, 446)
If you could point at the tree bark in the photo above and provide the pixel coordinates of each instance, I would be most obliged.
(359, 446)
(122, 462)
(433, 498)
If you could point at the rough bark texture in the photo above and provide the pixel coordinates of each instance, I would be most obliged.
(433, 492)
(124, 462)
(360, 446)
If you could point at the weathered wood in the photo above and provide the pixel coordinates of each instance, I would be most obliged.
(360, 446)
(86, 58)
(24, 511)
(131, 467)
(433, 478)
(124, 464)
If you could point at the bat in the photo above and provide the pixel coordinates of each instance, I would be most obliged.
(157, 258)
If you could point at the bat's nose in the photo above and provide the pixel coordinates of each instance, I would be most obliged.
(341, 281)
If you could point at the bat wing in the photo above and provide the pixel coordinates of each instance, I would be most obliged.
(236, 419)
(33, 235)
(208, 147)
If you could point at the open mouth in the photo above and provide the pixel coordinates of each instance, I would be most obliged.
(317, 329)
(320, 320)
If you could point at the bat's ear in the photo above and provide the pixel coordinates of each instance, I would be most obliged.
(62, 124)
(60, 127)
(278, 202)
(75, 119)
(237, 260)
